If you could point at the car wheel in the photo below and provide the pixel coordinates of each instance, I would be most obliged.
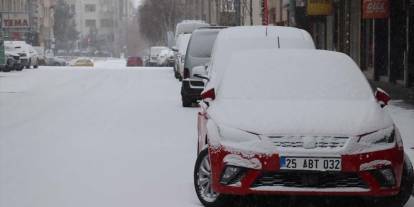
(406, 189)
(7, 69)
(202, 183)
(35, 66)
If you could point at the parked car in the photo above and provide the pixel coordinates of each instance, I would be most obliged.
(154, 53)
(181, 50)
(55, 61)
(134, 61)
(12, 62)
(164, 57)
(82, 62)
(289, 123)
(198, 54)
(28, 54)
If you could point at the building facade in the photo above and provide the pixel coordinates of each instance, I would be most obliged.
(102, 24)
(31, 21)
(15, 21)
(377, 34)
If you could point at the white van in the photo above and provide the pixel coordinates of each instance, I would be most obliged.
(188, 26)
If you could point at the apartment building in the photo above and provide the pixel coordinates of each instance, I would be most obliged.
(102, 24)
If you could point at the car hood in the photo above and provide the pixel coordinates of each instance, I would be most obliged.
(347, 118)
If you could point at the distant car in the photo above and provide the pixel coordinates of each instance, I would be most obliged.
(12, 62)
(55, 61)
(134, 61)
(28, 55)
(198, 54)
(166, 58)
(154, 53)
(82, 62)
(289, 123)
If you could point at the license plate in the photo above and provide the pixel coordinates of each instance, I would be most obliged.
(311, 163)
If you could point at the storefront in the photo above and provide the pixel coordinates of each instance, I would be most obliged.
(15, 25)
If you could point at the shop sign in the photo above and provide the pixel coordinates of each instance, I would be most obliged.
(319, 7)
(15, 20)
(375, 9)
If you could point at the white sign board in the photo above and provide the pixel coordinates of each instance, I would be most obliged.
(15, 20)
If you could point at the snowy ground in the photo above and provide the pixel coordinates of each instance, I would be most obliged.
(104, 137)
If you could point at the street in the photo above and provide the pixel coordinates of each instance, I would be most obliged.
(104, 137)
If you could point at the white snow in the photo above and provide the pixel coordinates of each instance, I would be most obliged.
(103, 137)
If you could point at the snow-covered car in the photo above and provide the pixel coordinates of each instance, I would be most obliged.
(198, 54)
(154, 53)
(55, 61)
(28, 54)
(164, 58)
(298, 128)
(12, 62)
(82, 62)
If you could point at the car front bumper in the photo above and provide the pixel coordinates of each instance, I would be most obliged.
(192, 88)
(261, 174)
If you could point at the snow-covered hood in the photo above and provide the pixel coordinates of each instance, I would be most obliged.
(347, 118)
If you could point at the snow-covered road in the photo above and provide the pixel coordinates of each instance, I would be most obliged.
(102, 137)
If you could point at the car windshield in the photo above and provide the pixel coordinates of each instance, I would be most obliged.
(293, 75)
(201, 43)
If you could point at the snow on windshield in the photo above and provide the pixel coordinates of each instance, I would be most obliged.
(292, 75)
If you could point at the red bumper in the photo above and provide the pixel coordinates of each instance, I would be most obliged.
(350, 164)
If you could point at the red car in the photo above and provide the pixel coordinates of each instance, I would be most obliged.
(134, 62)
(298, 122)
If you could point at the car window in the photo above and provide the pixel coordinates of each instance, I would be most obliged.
(201, 45)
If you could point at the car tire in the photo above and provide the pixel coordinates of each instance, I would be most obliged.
(406, 189)
(202, 171)
(7, 69)
(35, 66)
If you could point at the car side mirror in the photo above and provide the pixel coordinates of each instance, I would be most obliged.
(175, 49)
(382, 97)
(200, 72)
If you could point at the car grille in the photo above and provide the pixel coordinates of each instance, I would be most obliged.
(309, 180)
(297, 141)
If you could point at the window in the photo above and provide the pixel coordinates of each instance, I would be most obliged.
(90, 23)
(106, 23)
(90, 7)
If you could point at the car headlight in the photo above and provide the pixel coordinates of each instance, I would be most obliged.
(383, 136)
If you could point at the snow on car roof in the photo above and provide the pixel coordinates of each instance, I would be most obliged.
(243, 38)
(293, 75)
